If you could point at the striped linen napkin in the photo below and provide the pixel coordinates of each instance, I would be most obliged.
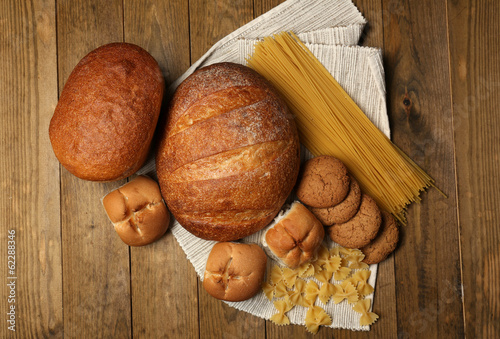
(331, 30)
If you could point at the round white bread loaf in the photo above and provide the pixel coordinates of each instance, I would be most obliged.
(234, 271)
(294, 237)
(229, 153)
(137, 211)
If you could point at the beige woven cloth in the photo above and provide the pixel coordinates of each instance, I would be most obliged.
(331, 29)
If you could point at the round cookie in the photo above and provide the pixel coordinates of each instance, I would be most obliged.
(361, 229)
(324, 182)
(385, 242)
(342, 212)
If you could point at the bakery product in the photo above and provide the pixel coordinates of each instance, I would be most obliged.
(229, 153)
(343, 211)
(361, 229)
(294, 237)
(234, 271)
(106, 116)
(385, 242)
(137, 211)
(324, 182)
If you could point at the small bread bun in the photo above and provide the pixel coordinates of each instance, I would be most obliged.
(137, 211)
(294, 237)
(234, 271)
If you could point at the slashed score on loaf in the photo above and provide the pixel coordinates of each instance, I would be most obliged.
(229, 154)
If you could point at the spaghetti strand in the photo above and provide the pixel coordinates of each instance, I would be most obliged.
(330, 123)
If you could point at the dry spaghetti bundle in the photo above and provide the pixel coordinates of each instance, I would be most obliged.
(330, 123)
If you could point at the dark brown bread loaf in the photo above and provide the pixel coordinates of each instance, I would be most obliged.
(229, 155)
(105, 119)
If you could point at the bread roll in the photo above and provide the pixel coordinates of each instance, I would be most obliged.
(104, 121)
(137, 211)
(229, 154)
(234, 271)
(294, 237)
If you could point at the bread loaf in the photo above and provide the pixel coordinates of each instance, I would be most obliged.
(106, 116)
(229, 154)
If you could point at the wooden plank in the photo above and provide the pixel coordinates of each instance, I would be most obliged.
(218, 320)
(428, 262)
(164, 291)
(29, 173)
(209, 22)
(162, 28)
(373, 33)
(96, 272)
(162, 279)
(475, 81)
(262, 6)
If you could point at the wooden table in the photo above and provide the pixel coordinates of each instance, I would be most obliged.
(75, 278)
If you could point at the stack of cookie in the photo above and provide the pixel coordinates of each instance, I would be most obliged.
(352, 218)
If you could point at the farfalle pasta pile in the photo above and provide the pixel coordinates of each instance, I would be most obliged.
(337, 275)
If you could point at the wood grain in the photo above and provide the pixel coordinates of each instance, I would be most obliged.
(262, 6)
(29, 173)
(210, 21)
(218, 320)
(161, 28)
(428, 262)
(475, 82)
(96, 271)
(163, 281)
(377, 19)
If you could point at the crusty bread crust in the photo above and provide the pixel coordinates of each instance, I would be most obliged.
(295, 236)
(107, 113)
(137, 211)
(229, 155)
(234, 271)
